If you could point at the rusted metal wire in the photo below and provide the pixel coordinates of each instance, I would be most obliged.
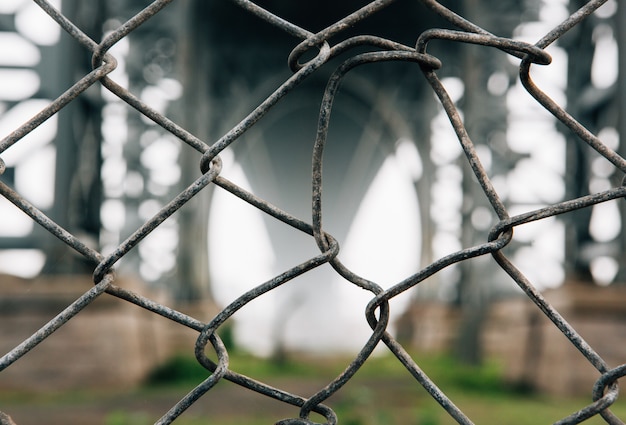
(605, 392)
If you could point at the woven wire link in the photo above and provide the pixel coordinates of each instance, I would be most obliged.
(605, 391)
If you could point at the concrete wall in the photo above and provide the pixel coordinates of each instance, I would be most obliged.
(531, 349)
(110, 343)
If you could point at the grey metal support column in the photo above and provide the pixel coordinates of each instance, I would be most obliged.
(580, 51)
(620, 26)
(77, 192)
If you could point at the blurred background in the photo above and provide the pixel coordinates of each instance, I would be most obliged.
(398, 192)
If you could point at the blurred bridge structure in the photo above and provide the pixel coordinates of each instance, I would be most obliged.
(110, 168)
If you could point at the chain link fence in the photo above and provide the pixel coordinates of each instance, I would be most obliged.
(370, 49)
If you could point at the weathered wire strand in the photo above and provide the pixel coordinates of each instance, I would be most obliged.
(377, 312)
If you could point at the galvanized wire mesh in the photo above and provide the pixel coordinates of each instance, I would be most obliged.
(605, 392)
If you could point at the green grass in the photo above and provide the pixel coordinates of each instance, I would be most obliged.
(183, 369)
(384, 393)
(381, 393)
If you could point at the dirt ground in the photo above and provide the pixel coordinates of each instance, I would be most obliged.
(226, 400)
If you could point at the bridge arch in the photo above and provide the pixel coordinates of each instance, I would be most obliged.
(372, 206)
